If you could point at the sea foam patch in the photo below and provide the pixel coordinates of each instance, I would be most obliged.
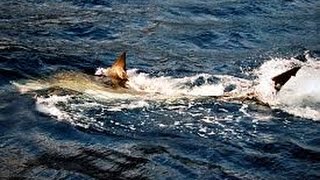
(169, 86)
(48, 105)
(300, 94)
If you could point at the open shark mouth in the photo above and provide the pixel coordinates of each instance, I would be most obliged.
(86, 105)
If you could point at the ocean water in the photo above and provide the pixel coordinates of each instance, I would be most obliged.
(171, 123)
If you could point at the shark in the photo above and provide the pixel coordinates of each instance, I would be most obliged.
(252, 95)
(114, 79)
(117, 73)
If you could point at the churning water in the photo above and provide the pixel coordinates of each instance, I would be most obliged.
(170, 124)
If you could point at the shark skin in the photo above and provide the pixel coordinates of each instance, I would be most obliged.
(114, 78)
(284, 77)
(117, 73)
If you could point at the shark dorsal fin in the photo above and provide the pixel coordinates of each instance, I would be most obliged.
(284, 77)
(120, 63)
(117, 72)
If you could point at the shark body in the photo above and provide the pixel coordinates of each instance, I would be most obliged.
(118, 75)
(114, 80)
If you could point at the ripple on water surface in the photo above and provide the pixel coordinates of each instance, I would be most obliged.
(170, 124)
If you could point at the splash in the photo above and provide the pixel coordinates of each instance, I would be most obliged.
(264, 87)
(174, 87)
(299, 97)
(49, 106)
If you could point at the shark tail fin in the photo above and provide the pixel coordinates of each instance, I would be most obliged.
(284, 77)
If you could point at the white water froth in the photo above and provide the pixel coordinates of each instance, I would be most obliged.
(49, 106)
(130, 105)
(265, 87)
(172, 87)
(300, 96)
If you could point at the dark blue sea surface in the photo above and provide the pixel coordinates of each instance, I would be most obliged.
(161, 138)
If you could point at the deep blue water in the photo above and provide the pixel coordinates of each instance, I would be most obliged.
(163, 140)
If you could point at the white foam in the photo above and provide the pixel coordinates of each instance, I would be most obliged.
(302, 89)
(305, 112)
(49, 106)
(300, 96)
(29, 86)
(172, 87)
(265, 86)
(130, 105)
